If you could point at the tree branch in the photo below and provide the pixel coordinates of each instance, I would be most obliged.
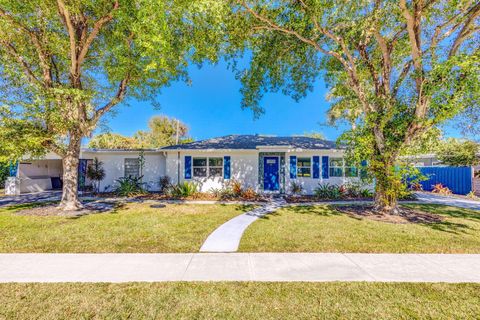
(42, 56)
(121, 91)
(26, 68)
(473, 13)
(65, 16)
(96, 29)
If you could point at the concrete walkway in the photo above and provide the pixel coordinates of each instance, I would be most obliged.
(226, 238)
(239, 267)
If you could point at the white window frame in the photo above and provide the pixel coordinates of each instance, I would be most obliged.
(299, 174)
(194, 167)
(207, 167)
(215, 167)
(330, 167)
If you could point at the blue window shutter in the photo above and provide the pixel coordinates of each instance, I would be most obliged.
(226, 167)
(293, 167)
(316, 167)
(188, 167)
(325, 173)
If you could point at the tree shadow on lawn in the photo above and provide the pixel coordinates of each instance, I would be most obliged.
(436, 224)
(323, 211)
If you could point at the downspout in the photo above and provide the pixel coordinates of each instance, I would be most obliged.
(178, 167)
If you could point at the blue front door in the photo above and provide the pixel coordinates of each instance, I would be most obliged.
(271, 174)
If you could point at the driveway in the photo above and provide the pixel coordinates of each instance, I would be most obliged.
(448, 201)
(30, 198)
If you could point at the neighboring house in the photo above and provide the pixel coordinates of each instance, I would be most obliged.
(264, 163)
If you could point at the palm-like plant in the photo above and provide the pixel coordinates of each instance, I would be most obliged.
(96, 173)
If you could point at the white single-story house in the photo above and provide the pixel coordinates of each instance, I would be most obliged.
(265, 163)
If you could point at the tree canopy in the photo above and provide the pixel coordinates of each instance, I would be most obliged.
(162, 132)
(66, 64)
(394, 69)
(456, 152)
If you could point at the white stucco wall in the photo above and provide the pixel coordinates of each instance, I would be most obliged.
(114, 165)
(243, 167)
(309, 183)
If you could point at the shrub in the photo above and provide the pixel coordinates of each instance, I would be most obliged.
(184, 189)
(352, 190)
(365, 193)
(441, 189)
(327, 191)
(472, 196)
(249, 194)
(416, 186)
(96, 173)
(129, 186)
(296, 188)
(165, 183)
(236, 187)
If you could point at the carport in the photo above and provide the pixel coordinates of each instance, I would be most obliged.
(40, 175)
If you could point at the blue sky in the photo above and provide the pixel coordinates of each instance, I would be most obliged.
(210, 106)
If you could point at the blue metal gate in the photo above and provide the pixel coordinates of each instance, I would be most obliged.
(457, 179)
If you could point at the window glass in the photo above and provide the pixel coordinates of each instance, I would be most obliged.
(208, 167)
(215, 162)
(304, 167)
(215, 167)
(350, 169)
(200, 167)
(336, 167)
(199, 172)
(132, 168)
(199, 162)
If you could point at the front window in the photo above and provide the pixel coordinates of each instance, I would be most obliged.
(132, 168)
(207, 167)
(304, 167)
(350, 169)
(336, 167)
(200, 167)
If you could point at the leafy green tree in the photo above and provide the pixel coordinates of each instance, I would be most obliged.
(394, 68)
(164, 131)
(315, 134)
(65, 64)
(96, 173)
(112, 141)
(455, 152)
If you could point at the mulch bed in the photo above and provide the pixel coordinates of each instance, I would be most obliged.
(199, 196)
(405, 215)
(310, 198)
(52, 210)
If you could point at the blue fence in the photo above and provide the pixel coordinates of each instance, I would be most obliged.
(457, 179)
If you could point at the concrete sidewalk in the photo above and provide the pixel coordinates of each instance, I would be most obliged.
(239, 267)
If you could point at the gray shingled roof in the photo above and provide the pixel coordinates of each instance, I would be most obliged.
(254, 141)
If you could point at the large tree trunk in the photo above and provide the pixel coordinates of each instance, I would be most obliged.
(387, 186)
(70, 176)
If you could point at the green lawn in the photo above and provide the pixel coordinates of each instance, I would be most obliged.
(135, 228)
(240, 301)
(323, 229)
